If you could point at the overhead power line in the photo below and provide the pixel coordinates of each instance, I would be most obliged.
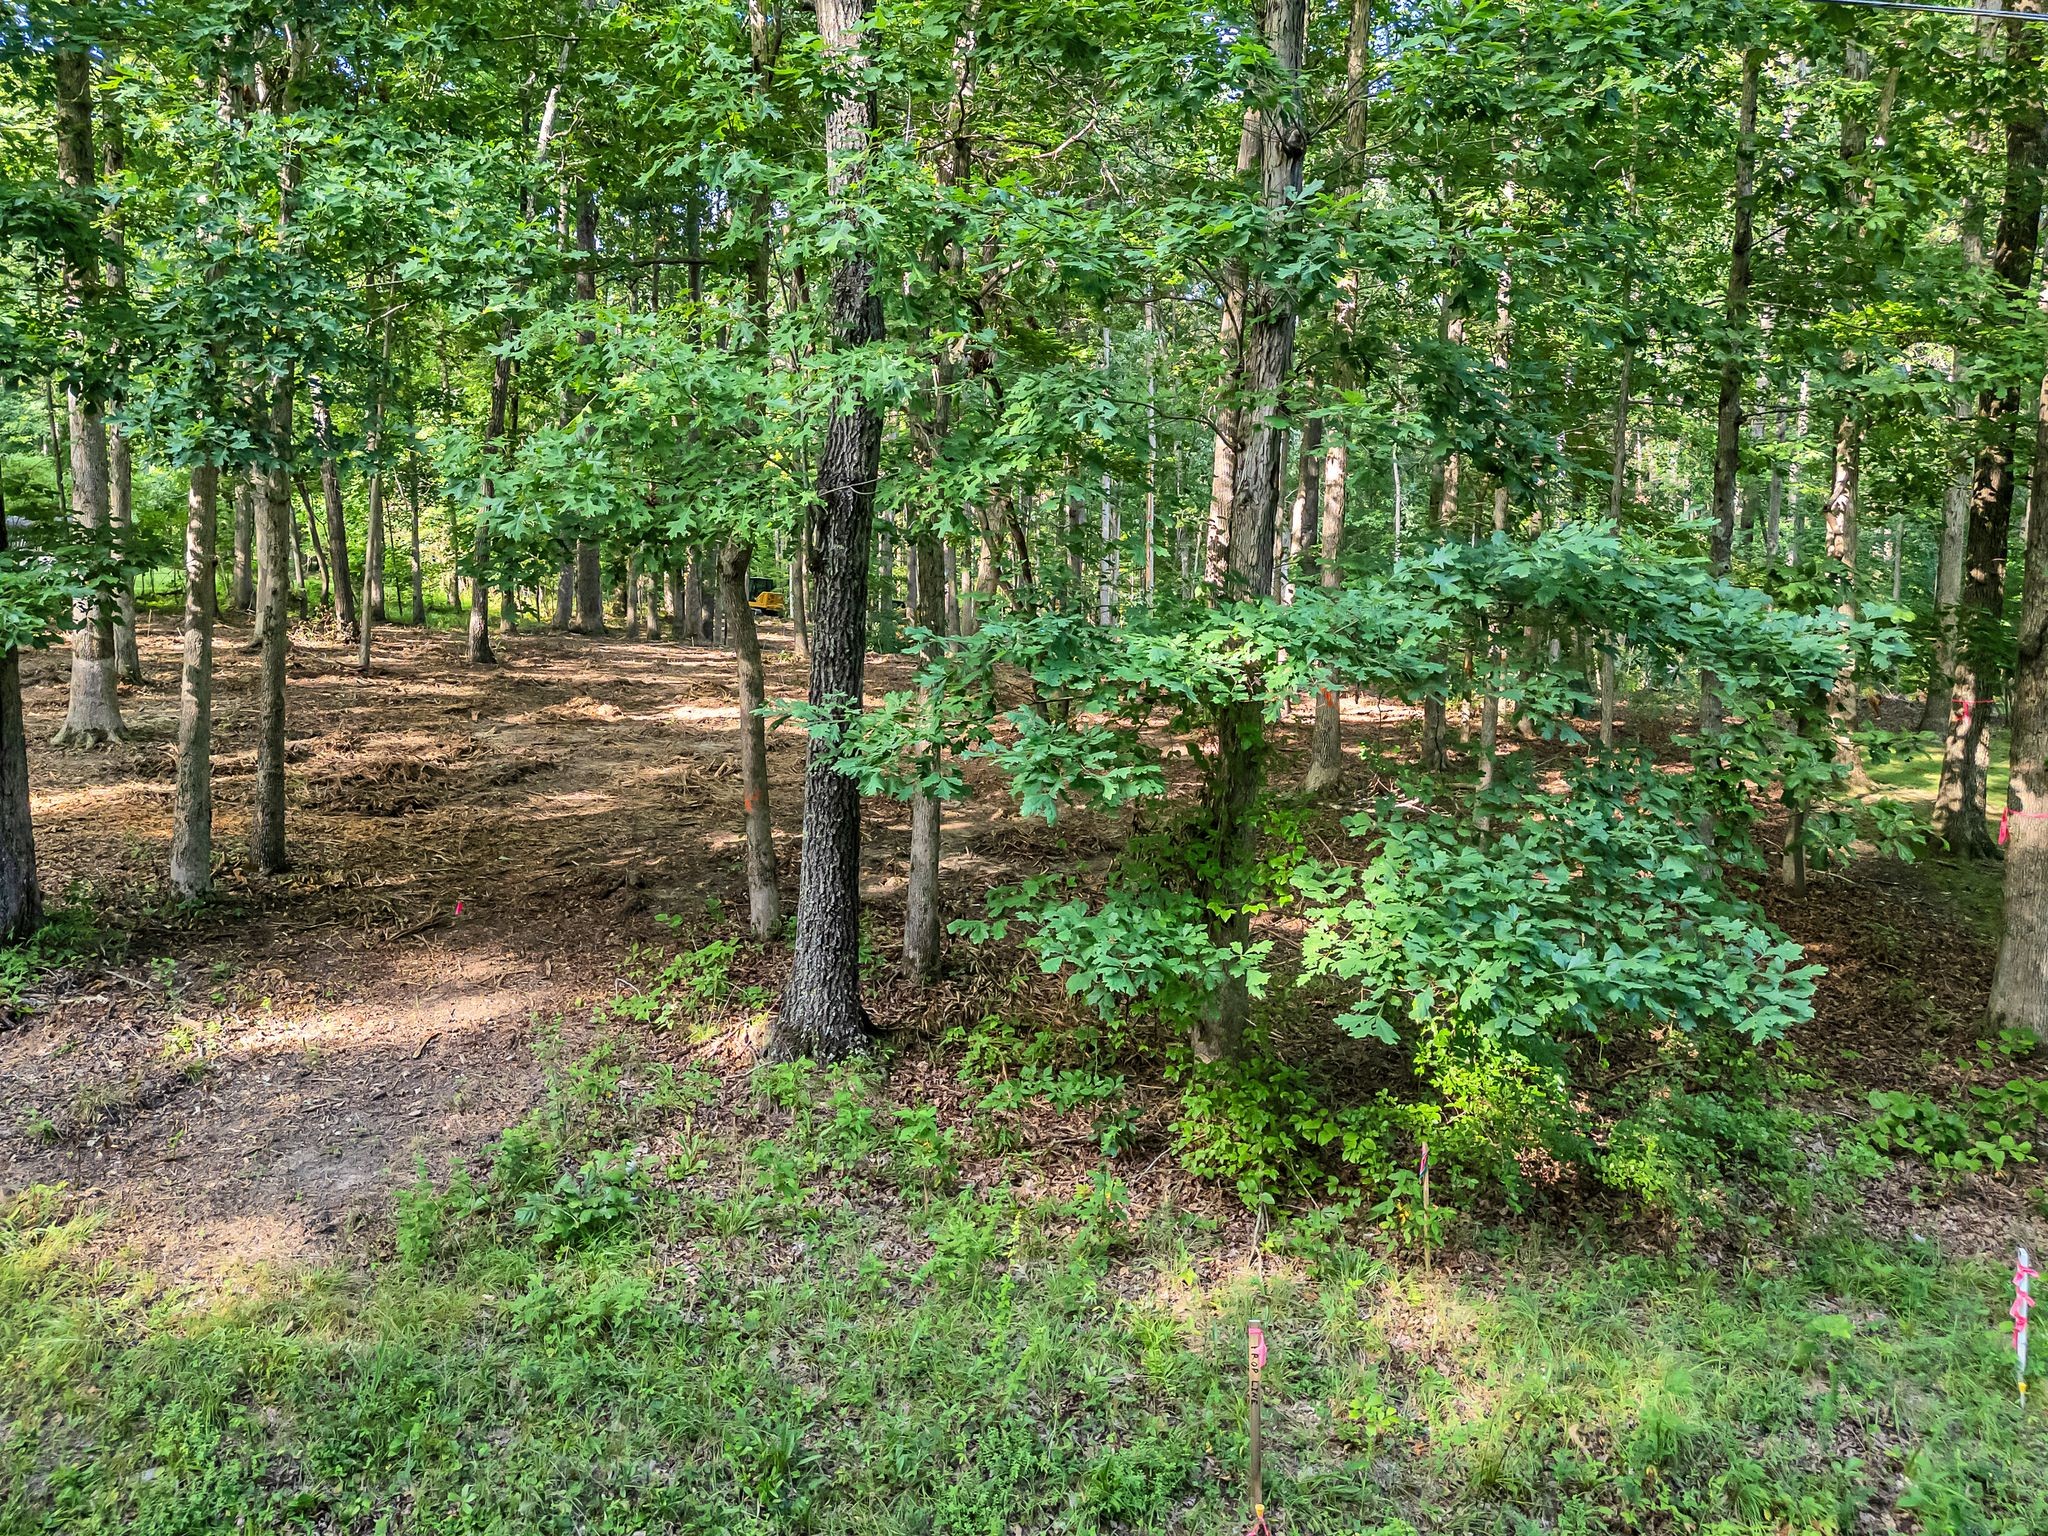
(1941, 10)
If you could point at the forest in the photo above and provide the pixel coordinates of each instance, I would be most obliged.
(997, 767)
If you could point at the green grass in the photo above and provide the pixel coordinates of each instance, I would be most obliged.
(1914, 772)
(810, 1324)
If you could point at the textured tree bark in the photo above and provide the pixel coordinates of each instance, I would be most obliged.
(94, 715)
(693, 595)
(1326, 748)
(334, 545)
(2019, 988)
(242, 595)
(589, 588)
(632, 597)
(1230, 412)
(1948, 570)
(21, 894)
(1960, 798)
(1306, 509)
(274, 537)
(192, 807)
(120, 458)
(923, 917)
(678, 606)
(821, 1014)
(1247, 555)
(764, 892)
(565, 594)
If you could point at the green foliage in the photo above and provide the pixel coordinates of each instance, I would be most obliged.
(585, 1206)
(1539, 917)
(1050, 1364)
(70, 935)
(1985, 1128)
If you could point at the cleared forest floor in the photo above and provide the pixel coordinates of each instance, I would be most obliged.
(492, 864)
(477, 852)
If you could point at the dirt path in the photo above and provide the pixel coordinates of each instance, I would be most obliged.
(475, 851)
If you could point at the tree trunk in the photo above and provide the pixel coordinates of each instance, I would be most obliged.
(192, 807)
(1444, 513)
(1326, 753)
(1948, 564)
(1843, 513)
(923, 918)
(1960, 799)
(1728, 417)
(248, 488)
(419, 591)
(821, 1014)
(693, 595)
(334, 550)
(373, 513)
(632, 597)
(565, 594)
(1617, 483)
(21, 894)
(120, 459)
(764, 894)
(94, 715)
(678, 606)
(1230, 411)
(121, 515)
(274, 537)
(2019, 988)
(799, 603)
(1258, 464)
(479, 649)
(589, 588)
(1306, 510)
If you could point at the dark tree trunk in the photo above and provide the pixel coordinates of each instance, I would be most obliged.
(274, 537)
(334, 548)
(565, 594)
(2019, 989)
(1247, 564)
(1960, 799)
(693, 595)
(821, 1015)
(248, 488)
(589, 588)
(21, 895)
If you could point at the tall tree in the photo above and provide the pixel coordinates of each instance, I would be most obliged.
(2019, 988)
(94, 713)
(1960, 798)
(21, 895)
(821, 1014)
(1241, 558)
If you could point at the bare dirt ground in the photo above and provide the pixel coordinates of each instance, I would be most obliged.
(474, 850)
(477, 851)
